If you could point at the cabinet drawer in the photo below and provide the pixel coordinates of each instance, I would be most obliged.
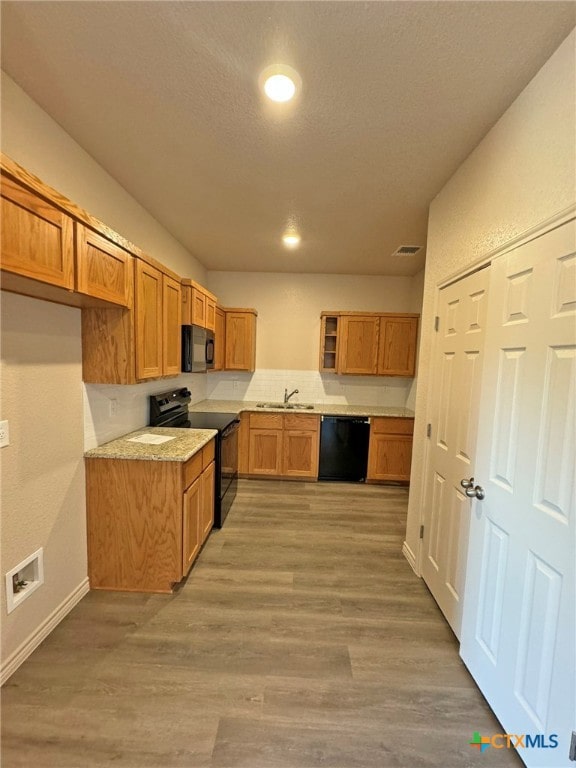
(266, 420)
(392, 426)
(208, 453)
(303, 421)
(192, 469)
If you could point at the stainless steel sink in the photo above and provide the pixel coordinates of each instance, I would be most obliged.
(286, 406)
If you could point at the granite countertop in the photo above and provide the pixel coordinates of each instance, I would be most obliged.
(183, 445)
(323, 409)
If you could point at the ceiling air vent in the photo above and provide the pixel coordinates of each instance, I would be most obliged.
(407, 250)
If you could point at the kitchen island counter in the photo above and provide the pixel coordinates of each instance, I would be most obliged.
(182, 445)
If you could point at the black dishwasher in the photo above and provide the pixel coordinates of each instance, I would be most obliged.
(344, 448)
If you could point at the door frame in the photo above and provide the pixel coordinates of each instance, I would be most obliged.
(531, 233)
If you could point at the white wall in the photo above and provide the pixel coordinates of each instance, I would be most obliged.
(131, 406)
(521, 174)
(31, 138)
(43, 500)
(289, 308)
(288, 334)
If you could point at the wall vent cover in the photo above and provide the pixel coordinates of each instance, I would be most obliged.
(407, 250)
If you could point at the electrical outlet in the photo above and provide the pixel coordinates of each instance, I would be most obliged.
(235, 385)
(4, 434)
(113, 406)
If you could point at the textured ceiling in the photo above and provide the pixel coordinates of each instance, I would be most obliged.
(395, 95)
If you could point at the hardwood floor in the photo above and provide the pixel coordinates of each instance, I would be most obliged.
(301, 639)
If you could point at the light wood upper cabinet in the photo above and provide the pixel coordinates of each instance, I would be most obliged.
(103, 269)
(390, 449)
(37, 238)
(397, 349)
(127, 346)
(368, 344)
(219, 338)
(198, 308)
(198, 305)
(240, 348)
(359, 336)
(171, 327)
(210, 313)
(149, 321)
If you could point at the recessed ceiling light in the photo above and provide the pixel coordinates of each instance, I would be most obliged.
(280, 83)
(279, 88)
(291, 239)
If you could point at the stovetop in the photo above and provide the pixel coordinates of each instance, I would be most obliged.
(207, 420)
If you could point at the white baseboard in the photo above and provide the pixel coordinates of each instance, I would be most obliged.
(410, 556)
(11, 664)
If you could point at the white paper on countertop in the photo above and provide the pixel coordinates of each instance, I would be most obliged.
(150, 439)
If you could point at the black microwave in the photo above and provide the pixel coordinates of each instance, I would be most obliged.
(197, 349)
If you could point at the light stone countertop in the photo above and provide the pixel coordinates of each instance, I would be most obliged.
(324, 409)
(187, 442)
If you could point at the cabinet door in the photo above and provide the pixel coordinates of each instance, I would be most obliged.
(191, 533)
(219, 339)
(300, 453)
(148, 321)
(37, 238)
(207, 515)
(103, 269)
(359, 344)
(240, 354)
(210, 314)
(171, 326)
(265, 453)
(389, 457)
(198, 308)
(397, 349)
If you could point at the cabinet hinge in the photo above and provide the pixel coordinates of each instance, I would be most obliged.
(572, 750)
(428, 430)
(436, 323)
(421, 531)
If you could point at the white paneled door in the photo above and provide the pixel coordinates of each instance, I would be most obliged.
(518, 631)
(456, 366)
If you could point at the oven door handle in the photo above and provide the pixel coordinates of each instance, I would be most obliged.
(231, 428)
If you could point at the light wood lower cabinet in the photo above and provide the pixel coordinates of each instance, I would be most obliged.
(147, 520)
(283, 445)
(390, 451)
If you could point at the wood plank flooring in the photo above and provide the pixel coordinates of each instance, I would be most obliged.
(301, 639)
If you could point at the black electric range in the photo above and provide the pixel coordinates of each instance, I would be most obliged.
(170, 409)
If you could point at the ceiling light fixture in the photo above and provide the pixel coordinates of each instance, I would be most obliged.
(280, 83)
(291, 239)
(279, 88)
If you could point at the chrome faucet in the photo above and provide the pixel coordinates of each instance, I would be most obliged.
(288, 396)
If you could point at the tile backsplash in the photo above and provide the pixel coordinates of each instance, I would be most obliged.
(312, 386)
(111, 411)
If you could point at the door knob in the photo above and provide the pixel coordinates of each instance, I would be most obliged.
(467, 483)
(475, 493)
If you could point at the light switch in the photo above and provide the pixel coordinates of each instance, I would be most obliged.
(4, 434)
